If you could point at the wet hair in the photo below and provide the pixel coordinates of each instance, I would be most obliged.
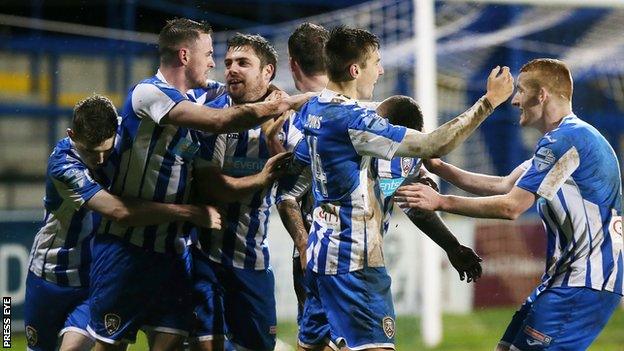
(345, 47)
(403, 111)
(552, 74)
(94, 120)
(304, 46)
(261, 47)
(177, 33)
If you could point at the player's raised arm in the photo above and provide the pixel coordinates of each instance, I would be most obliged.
(449, 135)
(232, 119)
(475, 183)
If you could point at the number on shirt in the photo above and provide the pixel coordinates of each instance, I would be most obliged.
(320, 179)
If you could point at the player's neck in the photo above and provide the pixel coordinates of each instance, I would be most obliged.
(348, 89)
(314, 83)
(175, 77)
(553, 115)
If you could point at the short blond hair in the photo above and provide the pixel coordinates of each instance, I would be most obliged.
(552, 74)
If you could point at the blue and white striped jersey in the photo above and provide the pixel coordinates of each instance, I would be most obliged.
(242, 243)
(341, 138)
(155, 160)
(61, 251)
(392, 174)
(576, 174)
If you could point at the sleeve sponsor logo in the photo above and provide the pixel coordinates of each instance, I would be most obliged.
(544, 158)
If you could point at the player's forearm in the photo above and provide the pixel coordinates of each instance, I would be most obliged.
(446, 137)
(432, 225)
(498, 206)
(228, 189)
(247, 116)
(290, 213)
(140, 213)
(475, 183)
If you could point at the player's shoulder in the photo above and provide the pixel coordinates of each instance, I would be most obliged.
(222, 101)
(64, 163)
(212, 91)
(571, 132)
(335, 105)
(155, 87)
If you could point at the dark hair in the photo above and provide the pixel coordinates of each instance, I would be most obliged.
(403, 111)
(552, 74)
(345, 47)
(263, 49)
(304, 46)
(178, 32)
(94, 120)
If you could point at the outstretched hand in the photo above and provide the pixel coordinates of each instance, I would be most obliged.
(276, 166)
(272, 127)
(207, 216)
(499, 85)
(419, 196)
(466, 262)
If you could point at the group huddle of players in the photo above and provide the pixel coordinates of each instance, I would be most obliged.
(157, 219)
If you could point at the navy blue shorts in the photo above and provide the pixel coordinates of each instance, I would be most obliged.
(353, 309)
(133, 288)
(50, 310)
(239, 303)
(560, 319)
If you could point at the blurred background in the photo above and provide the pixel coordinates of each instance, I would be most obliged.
(53, 53)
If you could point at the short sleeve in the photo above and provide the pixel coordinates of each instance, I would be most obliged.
(552, 164)
(73, 182)
(293, 132)
(155, 100)
(293, 186)
(372, 135)
(301, 152)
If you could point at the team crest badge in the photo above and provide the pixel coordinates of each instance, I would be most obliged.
(111, 323)
(406, 166)
(31, 336)
(388, 327)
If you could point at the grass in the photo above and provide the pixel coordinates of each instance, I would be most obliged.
(476, 331)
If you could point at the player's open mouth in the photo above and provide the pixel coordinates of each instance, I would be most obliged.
(234, 82)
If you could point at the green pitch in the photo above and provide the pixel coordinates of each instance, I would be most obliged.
(477, 331)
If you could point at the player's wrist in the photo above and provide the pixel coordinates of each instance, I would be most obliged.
(491, 100)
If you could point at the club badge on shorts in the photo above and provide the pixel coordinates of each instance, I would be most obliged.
(31, 336)
(111, 323)
(388, 327)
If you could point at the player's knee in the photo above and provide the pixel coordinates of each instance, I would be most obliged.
(102, 346)
(500, 347)
(216, 344)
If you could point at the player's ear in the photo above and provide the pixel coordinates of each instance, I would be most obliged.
(294, 66)
(542, 95)
(354, 70)
(183, 55)
(268, 72)
(70, 133)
